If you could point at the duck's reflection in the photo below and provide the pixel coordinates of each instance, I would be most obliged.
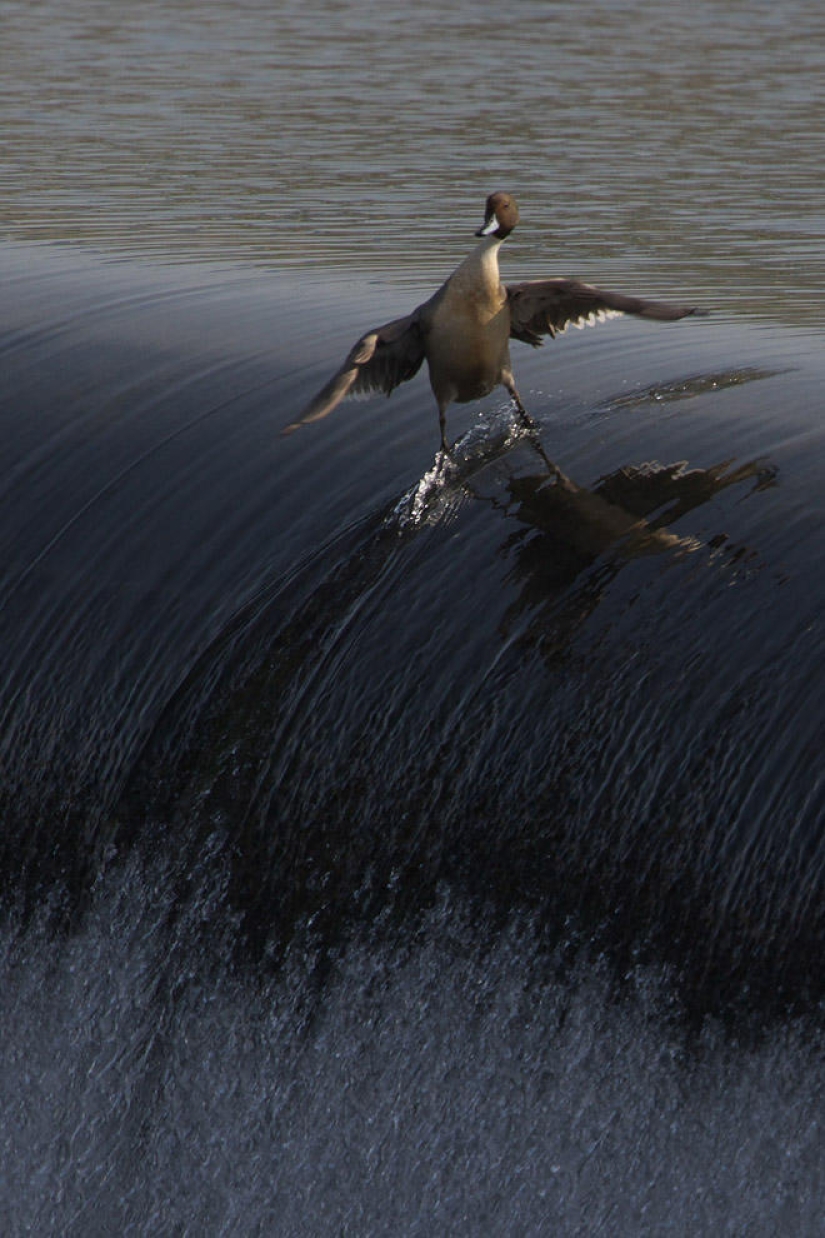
(627, 511)
(570, 541)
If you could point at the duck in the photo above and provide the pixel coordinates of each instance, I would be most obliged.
(464, 330)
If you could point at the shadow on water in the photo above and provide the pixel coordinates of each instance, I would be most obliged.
(349, 764)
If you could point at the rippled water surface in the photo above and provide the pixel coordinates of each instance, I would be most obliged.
(393, 845)
(677, 145)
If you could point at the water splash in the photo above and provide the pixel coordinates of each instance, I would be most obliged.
(440, 491)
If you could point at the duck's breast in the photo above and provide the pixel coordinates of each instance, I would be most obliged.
(467, 344)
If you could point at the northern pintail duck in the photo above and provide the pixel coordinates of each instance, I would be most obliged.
(464, 330)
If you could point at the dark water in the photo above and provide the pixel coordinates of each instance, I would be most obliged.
(386, 849)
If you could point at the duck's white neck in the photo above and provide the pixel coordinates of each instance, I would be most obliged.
(480, 267)
(490, 245)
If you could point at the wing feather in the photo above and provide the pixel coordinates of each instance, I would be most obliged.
(379, 361)
(541, 307)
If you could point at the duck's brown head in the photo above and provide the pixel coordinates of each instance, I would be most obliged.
(500, 216)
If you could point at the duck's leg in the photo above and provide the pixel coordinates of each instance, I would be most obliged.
(442, 422)
(510, 384)
(526, 420)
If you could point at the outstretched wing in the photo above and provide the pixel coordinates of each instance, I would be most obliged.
(547, 306)
(383, 358)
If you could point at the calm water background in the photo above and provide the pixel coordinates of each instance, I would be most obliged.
(676, 146)
(385, 855)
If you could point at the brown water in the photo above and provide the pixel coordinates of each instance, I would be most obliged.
(654, 146)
